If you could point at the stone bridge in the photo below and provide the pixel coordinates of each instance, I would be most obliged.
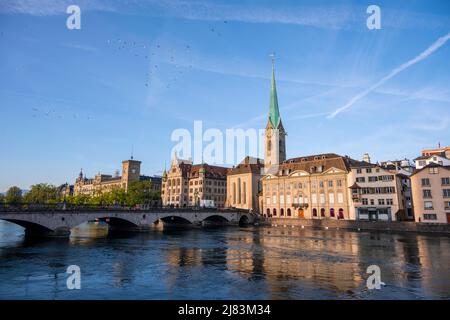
(59, 222)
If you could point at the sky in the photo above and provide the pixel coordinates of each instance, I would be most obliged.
(138, 70)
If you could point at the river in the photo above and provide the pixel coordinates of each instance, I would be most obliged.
(224, 263)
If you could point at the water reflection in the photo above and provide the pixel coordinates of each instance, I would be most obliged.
(233, 263)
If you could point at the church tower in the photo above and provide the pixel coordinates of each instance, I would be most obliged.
(275, 135)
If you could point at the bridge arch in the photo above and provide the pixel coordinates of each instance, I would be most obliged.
(175, 219)
(216, 218)
(30, 226)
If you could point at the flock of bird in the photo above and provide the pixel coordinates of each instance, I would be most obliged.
(51, 113)
(148, 54)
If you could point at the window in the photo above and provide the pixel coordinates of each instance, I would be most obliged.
(422, 163)
(281, 212)
(288, 198)
(426, 193)
(389, 202)
(428, 205)
(425, 182)
(322, 212)
(322, 198)
(445, 181)
(314, 198)
(314, 212)
(358, 171)
(289, 212)
(332, 212)
(331, 198)
(268, 200)
(281, 199)
(447, 205)
(330, 184)
(339, 183)
(381, 202)
(360, 179)
(373, 179)
(365, 202)
(430, 216)
(340, 197)
(274, 199)
(369, 170)
(320, 184)
(372, 202)
(274, 212)
(341, 214)
(446, 193)
(433, 170)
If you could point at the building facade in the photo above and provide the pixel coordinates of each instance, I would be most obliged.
(431, 193)
(312, 187)
(378, 193)
(185, 184)
(244, 184)
(131, 171)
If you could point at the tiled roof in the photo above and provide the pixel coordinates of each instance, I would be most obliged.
(321, 162)
(431, 165)
(210, 171)
(248, 165)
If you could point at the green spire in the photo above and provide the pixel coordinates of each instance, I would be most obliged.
(274, 113)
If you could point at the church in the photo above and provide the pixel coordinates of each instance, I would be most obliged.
(310, 187)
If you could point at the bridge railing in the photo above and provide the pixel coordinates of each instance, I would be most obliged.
(71, 208)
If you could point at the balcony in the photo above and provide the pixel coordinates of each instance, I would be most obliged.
(300, 205)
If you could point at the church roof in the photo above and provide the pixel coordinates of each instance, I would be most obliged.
(274, 112)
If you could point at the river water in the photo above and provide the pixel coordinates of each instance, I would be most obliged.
(224, 263)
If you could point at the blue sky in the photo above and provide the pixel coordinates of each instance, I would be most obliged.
(71, 99)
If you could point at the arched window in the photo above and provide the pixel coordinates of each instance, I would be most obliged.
(332, 212)
(314, 212)
(268, 212)
(281, 212)
(234, 192)
(289, 212)
(274, 212)
(341, 214)
(239, 190)
(322, 212)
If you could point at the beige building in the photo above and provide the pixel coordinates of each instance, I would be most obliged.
(244, 184)
(378, 193)
(131, 171)
(186, 184)
(312, 187)
(431, 193)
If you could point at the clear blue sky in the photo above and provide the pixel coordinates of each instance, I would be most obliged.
(71, 99)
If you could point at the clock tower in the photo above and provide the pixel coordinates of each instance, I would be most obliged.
(275, 135)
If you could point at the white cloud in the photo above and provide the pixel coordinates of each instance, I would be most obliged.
(425, 54)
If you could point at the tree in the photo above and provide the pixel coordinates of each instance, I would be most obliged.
(41, 193)
(2, 199)
(13, 195)
(141, 192)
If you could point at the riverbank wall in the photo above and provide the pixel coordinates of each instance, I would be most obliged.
(397, 226)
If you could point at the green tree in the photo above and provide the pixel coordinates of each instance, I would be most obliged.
(2, 199)
(13, 195)
(42, 193)
(141, 192)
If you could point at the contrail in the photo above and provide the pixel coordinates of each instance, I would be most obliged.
(435, 46)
